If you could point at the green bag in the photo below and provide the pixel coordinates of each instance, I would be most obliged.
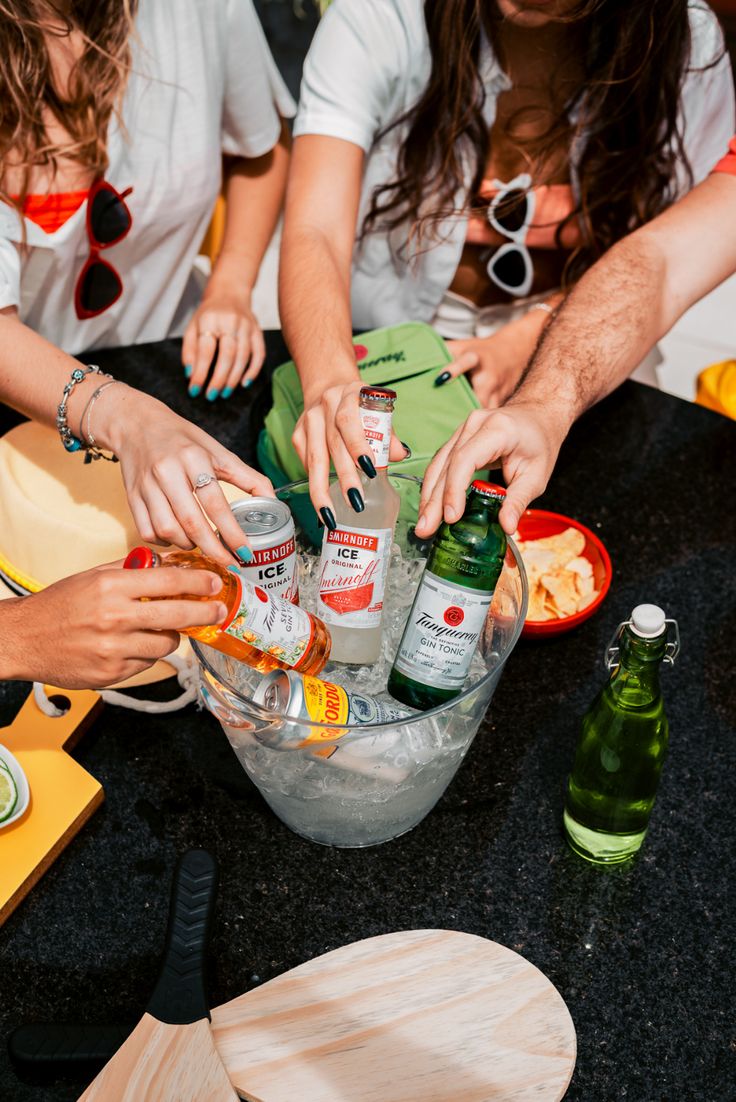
(406, 358)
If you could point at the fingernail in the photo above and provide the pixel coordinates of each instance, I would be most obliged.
(451, 514)
(194, 390)
(406, 448)
(366, 465)
(212, 394)
(221, 612)
(188, 369)
(328, 517)
(244, 553)
(227, 392)
(247, 383)
(442, 379)
(421, 522)
(356, 500)
(215, 585)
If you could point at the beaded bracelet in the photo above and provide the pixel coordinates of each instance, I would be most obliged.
(71, 442)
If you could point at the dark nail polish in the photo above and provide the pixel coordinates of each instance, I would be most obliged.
(328, 517)
(442, 379)
(406, 448)
(356, 500)
(366, 465)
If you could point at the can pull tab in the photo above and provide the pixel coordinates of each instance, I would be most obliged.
(611, 656)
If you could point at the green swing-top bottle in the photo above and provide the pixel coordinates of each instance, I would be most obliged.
(451, 604)
(621, 748)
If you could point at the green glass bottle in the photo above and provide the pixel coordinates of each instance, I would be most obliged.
(451, 603)
(622, 746)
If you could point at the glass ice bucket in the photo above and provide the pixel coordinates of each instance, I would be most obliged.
(381, 779)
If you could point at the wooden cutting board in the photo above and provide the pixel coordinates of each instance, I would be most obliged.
(170, 1056)
(414, 1016)
(63, 794)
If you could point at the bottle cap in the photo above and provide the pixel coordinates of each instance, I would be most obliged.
(648, 621)
(488, 488)
(381, 392)
(140, 558)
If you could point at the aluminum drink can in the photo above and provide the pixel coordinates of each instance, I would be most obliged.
(269, 526)
(310, 698)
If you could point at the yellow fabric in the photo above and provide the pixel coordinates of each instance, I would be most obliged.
(215, 231)
(717, 388)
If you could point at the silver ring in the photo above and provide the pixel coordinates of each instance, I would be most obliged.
(203, 480)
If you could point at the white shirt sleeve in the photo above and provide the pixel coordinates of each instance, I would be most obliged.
(352, 69)
(708, 109)
(9, 274)
(256, 98)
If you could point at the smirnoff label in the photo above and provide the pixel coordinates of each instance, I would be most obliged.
(444, 626)
(275, 570)
(270, 624)
(377, 428)
(352, 576)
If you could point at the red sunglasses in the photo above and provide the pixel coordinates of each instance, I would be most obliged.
(108, 221)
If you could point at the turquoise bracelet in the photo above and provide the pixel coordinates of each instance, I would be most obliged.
(68, 439)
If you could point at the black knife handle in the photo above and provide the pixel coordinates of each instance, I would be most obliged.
(179, 996)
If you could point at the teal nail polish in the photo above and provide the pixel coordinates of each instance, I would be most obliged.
(213, 394)
(194, 390)
(227, 392)
(188, 369)
(244, 553)
(247, 383)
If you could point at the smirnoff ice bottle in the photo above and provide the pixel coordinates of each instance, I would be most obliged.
(355, 557)
(451, 604)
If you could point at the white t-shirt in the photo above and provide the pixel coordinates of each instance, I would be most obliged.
(370, 62)
(203, 83)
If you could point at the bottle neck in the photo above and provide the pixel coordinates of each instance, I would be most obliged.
(635, 682)
(377, 421)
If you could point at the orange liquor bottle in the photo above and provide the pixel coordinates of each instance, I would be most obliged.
(262, 630)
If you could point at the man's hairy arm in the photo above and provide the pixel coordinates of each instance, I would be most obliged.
(634, 295)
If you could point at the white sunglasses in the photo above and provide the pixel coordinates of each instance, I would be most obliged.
(510, 213)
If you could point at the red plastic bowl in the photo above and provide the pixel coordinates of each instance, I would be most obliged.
(536, 524)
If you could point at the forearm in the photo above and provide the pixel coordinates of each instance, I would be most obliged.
(33, 373)
(634, 295)
(14, 664)
(604, 329)
(314, 302)
(254, 194)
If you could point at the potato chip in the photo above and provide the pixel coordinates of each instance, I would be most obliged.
(561, 580)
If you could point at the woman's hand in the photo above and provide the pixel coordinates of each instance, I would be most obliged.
(225, 330)
(494, 365)
(522, 438)
(330, 429)
(162, 456)
(93, 629)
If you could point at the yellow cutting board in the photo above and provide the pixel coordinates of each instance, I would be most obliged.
(63, 794)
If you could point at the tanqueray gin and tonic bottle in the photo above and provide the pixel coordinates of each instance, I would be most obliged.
(622, 744)
(451, 604)
(355, 557)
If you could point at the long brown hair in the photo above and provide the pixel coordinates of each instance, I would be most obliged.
(95, 87)
(633, 58)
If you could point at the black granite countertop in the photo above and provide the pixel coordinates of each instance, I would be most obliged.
(642, 954)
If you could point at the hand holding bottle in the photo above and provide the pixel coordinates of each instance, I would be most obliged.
(330, 429)
(102, 626)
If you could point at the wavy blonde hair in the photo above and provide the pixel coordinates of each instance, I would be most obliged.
(95, 88)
